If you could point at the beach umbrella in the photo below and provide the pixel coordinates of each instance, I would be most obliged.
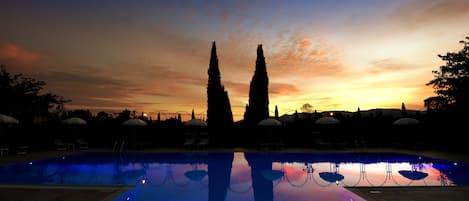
(413, 174)
(74, 121)
(406, 121)
(134, 122)
(270, 122)
(5, 119)
(195, 122)
(327, 121)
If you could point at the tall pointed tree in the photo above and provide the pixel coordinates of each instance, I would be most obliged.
(276, 112)
(218, 104)
(403, 110)
(258, 92)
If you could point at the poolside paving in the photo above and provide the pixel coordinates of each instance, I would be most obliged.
(426, 193)
(44, 193)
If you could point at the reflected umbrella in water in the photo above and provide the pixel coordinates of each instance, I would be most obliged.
(196, 175)
(272, 175)
(413, 174)
(333, 176)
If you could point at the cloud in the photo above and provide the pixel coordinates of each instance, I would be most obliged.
(276, 89)
(89, 89)
(156, 94)
(422, 12)
(18, 55)
(387, 66)
(282, 89)
(237, 88)
(144, 87)
(304, 57)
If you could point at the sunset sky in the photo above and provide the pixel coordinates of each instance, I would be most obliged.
(153, 56)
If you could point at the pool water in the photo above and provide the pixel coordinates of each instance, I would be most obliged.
(238, 176)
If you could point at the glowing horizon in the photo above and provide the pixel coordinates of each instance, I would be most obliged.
(153, 56)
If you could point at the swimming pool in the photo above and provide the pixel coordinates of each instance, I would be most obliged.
(237, 176)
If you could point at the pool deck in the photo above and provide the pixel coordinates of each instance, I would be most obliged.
(70, 193)
(59, 193)
(427, 193)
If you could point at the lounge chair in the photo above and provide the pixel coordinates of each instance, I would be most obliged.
(82, 144)
(190, 139)
(4, 151)
(22, 149)
(203, 139)
(62, 146)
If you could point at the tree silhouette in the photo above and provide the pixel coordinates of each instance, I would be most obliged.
(358, 113)
(276, 112)
(451, 82)
(403, 110)
(435, 103)
(306, 107)
(296, 117)
(80, 113)
(218, 104)
(101, 116)
(126, 115)
(21, 97)
(258, 108)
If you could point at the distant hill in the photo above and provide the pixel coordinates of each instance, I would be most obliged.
(383, 112)
(393, 113)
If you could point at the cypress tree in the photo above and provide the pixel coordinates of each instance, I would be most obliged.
(258, 92)
(276, 112)
(218, 104)
(403, 110)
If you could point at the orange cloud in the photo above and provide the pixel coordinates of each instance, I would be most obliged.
(387, 66)
(242, 89)
(237, 88)
(422, 12)
(305, 44)
(282, 89)
(303, 57)
(16, 54)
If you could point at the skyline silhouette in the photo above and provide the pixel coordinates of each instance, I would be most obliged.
(152, 57)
